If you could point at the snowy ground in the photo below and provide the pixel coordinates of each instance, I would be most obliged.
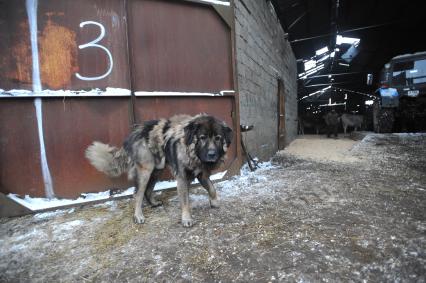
(358, 214)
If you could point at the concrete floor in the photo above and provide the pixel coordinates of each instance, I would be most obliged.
(306, 217)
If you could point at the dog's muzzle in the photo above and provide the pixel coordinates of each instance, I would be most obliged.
(212, 155)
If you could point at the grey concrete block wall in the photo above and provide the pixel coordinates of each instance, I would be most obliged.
(263, 56)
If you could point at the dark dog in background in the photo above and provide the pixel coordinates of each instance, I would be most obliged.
(191, 146)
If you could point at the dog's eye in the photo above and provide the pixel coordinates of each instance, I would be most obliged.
(203, 137)
(217, 138)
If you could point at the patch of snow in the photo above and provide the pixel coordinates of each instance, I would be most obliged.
(364, 243)
(37, 204)
(70, 225)
(176, 93)
(198, 197)
(217, 2)
(15, 92)
(30, 234)
(194, 198)
(18, 247)
(163, 185)
(410, 134)
(50, 214)
(236, 185)
(19, 243)
(112, 205)
(62, 231)
(109, 91)
(262, 166)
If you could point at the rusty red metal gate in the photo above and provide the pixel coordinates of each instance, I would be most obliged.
(152, 59)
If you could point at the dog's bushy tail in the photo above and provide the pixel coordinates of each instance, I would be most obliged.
(110, 160)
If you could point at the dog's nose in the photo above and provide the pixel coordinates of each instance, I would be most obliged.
(211, 153)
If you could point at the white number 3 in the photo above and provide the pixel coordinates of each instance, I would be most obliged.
(93, 44)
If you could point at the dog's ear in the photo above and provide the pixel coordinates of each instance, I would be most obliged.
(190, 132)
(227, 133)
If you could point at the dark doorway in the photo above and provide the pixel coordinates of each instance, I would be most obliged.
(281, 114)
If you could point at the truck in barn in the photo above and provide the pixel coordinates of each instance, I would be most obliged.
(401, 103)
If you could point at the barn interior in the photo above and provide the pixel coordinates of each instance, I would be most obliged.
(341, 47)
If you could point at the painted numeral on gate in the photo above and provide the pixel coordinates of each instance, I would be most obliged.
(93, 43)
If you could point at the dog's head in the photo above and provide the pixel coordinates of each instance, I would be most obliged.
(210, 136)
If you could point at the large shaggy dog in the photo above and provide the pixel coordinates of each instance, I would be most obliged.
(191, 146)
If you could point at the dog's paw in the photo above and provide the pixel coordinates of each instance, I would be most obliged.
(139, 219)
(214, 203)
(187, 222)
(155, 203)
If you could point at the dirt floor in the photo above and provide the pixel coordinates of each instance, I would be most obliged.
(322, 210)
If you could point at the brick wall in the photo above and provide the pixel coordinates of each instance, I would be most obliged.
(263, 56)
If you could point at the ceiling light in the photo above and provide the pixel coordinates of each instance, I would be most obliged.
(346, 40)
(324, 58)
(321, 51)
(310, 64)
(314, 70)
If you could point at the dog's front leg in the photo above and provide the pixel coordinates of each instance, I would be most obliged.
(208, 185)
(183, 192)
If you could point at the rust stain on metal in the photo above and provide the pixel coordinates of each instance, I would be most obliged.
(58, 53)
(21, 54)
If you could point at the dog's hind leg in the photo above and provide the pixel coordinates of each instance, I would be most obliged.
(208, 185)
(183, 192)
(150, 187)
(143, 174)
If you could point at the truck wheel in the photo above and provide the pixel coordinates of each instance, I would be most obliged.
(386, 120)
(383, 119)
(376, 109)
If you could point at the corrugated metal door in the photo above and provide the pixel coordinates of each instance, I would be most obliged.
(181, 48)
(87, 78)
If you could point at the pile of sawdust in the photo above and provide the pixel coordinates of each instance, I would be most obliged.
(322, 149)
